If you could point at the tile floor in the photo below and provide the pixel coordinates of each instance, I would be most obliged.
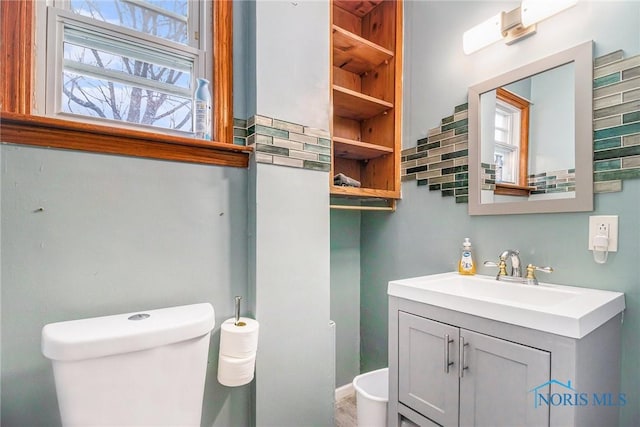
(346, 411)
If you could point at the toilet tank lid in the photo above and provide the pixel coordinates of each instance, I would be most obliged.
(123, 333)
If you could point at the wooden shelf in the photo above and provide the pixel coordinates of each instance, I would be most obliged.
(358, 150)
(337, 190)
(358, 8)
(362, 203)
(357, 106)
(356, 54)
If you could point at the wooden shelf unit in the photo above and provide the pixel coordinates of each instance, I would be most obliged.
(366, 81)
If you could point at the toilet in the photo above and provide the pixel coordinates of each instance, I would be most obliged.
(145, 368)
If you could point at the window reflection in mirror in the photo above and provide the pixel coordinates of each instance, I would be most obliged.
(511, 136)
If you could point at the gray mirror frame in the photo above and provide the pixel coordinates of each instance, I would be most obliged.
(582, 55)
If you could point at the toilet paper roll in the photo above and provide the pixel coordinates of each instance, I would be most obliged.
(234, 371)
(239, 340)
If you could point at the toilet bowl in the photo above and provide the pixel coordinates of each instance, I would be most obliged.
(145, 368)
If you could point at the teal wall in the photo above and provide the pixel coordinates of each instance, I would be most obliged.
(292, 61)
(295, 377)
(243, 59)
(345, 292)
(425, 233)
(114, 235)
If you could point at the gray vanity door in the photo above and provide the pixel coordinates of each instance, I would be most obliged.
(495, 387)
(424, 384)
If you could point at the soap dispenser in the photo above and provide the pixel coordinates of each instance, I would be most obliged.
(466, 265)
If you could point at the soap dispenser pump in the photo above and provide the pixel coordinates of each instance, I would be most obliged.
(466, 265)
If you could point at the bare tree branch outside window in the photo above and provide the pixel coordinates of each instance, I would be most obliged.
(116, 87)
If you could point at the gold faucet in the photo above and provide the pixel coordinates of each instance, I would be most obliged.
(516, 272)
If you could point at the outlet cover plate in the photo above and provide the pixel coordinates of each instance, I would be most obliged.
(595, 224)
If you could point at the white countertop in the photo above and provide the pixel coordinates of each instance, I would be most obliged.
(569, 311)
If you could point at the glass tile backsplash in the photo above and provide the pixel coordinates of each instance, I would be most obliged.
(283, 143)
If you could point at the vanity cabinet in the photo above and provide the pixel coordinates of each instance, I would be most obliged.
(366, 90)
(455, 376)
(451, 368)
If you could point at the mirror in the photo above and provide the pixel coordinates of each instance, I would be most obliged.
(531, 139)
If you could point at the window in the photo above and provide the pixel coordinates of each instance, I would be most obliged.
(123, 61)
(96, 78)
(511, 140)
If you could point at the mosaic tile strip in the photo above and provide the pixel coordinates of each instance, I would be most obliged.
(239, 132)
(488, 176)
(616, 124)
(553, 182)
(440, 160)
(283, 143)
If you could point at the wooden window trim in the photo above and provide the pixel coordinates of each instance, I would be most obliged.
(19, 126)
(503, 189)
(523, 105)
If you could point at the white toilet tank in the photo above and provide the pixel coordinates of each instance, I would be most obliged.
(137, 369)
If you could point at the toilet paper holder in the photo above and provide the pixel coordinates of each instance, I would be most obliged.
(237, 321)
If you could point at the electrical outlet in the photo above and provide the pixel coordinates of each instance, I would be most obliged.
(606, 225)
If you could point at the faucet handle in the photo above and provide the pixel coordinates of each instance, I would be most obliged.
(502, 267)
(531, 276)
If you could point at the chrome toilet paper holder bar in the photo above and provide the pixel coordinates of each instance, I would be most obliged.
(237, 321)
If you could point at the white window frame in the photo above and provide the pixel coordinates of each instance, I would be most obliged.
(50, 55)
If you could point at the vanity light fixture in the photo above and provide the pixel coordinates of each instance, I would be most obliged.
(513, 25)
(483, 34)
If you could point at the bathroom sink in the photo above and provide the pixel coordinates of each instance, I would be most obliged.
(563, 310)
(489, 289)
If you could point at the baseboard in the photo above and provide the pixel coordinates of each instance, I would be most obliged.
(344, 391)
